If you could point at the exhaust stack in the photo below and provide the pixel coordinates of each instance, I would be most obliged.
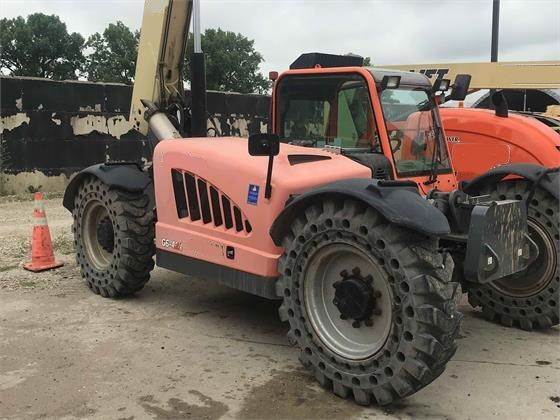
(198, 79)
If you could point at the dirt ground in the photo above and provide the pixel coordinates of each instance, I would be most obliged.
(186, 348)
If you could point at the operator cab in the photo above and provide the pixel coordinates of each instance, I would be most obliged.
(355, 111)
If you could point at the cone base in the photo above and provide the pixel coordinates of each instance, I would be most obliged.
(42, 267)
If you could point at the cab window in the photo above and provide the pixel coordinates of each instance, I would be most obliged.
(410, 118)
(324, 110)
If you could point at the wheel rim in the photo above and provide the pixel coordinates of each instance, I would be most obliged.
(96, 243)
(342, 336)
(539, 274)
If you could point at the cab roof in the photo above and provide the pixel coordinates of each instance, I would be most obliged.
(315, 59)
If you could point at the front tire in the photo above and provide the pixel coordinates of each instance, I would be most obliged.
(529, 299)
(395, 327)
(114, 238)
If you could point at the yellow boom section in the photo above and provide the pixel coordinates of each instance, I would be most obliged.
(504, 75)
(165, 27)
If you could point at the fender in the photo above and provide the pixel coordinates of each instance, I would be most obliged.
(550, 181)
(125, 176)
(399, 202)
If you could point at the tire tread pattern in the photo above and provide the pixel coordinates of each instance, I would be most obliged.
(133, 225)
(425, 337)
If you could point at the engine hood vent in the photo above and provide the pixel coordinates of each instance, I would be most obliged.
(298, 159)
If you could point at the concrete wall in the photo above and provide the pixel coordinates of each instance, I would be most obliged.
(49, 130)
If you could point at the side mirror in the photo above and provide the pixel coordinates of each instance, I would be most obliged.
(460, 87)
(264, 144)
(500, 104)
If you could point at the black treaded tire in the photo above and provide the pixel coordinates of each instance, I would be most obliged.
(424, 320)
(126, 269)
(536, 309)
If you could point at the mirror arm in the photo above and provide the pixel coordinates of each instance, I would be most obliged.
(268, 186)
(265, 144)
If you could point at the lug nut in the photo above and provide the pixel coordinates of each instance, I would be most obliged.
(369, 323)
(356, 271)
(344, 273)
(368, 279)
(356, 324)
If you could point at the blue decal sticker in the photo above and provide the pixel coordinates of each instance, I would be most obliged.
(253, 194)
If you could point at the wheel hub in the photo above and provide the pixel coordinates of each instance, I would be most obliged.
(354, 296)
(106, 235)
(360, 299)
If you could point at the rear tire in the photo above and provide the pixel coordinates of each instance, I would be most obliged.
(530, 299)
(114, 238)
(422, 318)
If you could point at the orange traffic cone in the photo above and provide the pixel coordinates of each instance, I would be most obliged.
(42, 256)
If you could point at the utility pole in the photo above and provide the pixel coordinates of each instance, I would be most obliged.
(495, 30)
(495, 36)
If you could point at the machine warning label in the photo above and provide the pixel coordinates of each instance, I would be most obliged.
(253, 194)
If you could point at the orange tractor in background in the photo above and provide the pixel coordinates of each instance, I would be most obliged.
(497, 138)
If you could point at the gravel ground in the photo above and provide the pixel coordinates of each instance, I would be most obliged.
(188, 348)
(16, 224)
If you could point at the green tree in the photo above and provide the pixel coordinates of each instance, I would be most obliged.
(232, 64)
(113, 56)
(40, 46)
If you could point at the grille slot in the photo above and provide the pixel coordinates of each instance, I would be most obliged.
(204, 202)
(193, 197)
(197, 199)
(179, 191)
(238, 220)
(216, 210)
(227, 212)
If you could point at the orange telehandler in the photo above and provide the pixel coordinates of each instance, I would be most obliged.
(348, 212)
